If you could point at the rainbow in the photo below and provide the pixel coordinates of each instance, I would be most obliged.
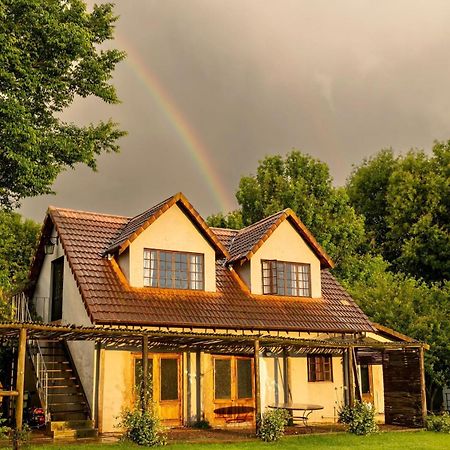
(192, 142)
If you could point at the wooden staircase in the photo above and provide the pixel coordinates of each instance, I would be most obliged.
(67, 404)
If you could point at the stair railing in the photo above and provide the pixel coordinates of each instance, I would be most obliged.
(21, 313)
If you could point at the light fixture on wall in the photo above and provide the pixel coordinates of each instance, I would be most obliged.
(49, 246)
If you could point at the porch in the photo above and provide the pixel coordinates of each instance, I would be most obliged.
(402, 362)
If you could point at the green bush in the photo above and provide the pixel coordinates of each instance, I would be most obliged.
(272, 424)
(4, 430)
(440, 423)
(143, 427)
(360, 419)
(202, 425)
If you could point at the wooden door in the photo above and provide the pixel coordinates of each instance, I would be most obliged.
(166, 385)
(233, 385)
(366, 382)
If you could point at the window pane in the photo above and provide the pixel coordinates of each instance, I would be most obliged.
(244, 378)
(222, 378)
(169, 379)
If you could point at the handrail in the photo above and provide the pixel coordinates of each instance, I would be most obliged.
(21, 313)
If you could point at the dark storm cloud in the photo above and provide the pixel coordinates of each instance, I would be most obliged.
(337, 79)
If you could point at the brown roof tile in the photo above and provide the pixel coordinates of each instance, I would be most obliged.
(110, 300)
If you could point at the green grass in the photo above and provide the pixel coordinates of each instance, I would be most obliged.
(415, 440)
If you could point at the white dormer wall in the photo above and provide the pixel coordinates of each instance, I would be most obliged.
(174, 231)
(284, 244)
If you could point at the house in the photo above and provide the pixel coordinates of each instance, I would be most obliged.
(201, 295)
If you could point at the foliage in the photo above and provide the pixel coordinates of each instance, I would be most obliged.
(4, 430)
(231, 220)
(202, 425)
(303, 184)
(439, 422)
(360, 418)
(18, 239)
(405, 201)
(51, 53)
(412, 307)
(143, 427)
(21, 438)
(272, 424)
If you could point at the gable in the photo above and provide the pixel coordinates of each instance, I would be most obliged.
(285, 244)
(172, 231)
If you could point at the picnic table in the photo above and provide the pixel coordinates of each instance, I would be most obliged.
(299, 411)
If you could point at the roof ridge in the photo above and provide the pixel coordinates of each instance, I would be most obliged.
(282, 211)
(58, 208)
(225, 229)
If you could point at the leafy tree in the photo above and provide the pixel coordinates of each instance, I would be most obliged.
(231, 220)
(405, 201)
(50, 54)
(304, 184)
(410, 306)
(18, 240)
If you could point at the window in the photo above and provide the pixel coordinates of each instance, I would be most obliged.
(167, 269)
(320, 368)
(286, 278)
(233, 378)
(57, 288)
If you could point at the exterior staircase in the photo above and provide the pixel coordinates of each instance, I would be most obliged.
(67, 405)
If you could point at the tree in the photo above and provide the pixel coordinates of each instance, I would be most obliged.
(413, 307)
(304, 184)
(50, 54)
(406, 204)
(231, 220)
(18, 240)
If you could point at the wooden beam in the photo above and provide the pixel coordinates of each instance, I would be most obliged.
(8, 394)
(351, 378)
(198, 384)
(356, 376)
(20, 380)
(422, 385)
(257, 386)
(144, 393)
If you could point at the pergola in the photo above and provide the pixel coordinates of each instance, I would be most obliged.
(404, 357)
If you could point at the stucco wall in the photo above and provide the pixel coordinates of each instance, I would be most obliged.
(73, 312)
(171, 231)
(329, 394)
(116, 388)
(285, 244)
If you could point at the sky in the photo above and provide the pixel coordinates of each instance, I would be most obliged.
(210, 87)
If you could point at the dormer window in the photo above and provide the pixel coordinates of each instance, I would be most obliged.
(177, 270)
(286, 278)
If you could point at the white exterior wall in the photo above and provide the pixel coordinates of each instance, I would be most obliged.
(73, 312)
(285, 244)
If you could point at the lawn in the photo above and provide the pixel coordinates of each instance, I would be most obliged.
(386, 441)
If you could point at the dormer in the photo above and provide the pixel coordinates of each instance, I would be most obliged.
(279, 256)
(168, 247)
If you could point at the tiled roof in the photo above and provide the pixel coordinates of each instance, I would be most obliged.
(110, 300)
(135, 225)
(225, 235)
(248, 237)
(247, 241)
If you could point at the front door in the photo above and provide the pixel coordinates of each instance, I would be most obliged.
(366, 382)
(165, 370)
(233, 390)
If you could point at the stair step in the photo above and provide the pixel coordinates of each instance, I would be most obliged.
(75, 434)
(66, 394)
(61, 369)
(69, 424)
(71, 415)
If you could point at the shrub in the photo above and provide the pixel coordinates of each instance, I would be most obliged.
(360, 419)
(143, 427)
(440, 423)
(272, 424)
(4, 430)
(202, 425)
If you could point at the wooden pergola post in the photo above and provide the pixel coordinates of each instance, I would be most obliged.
(351, 377)
(257, 386)
(422, 384)
(20, 380)
(144, 384)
